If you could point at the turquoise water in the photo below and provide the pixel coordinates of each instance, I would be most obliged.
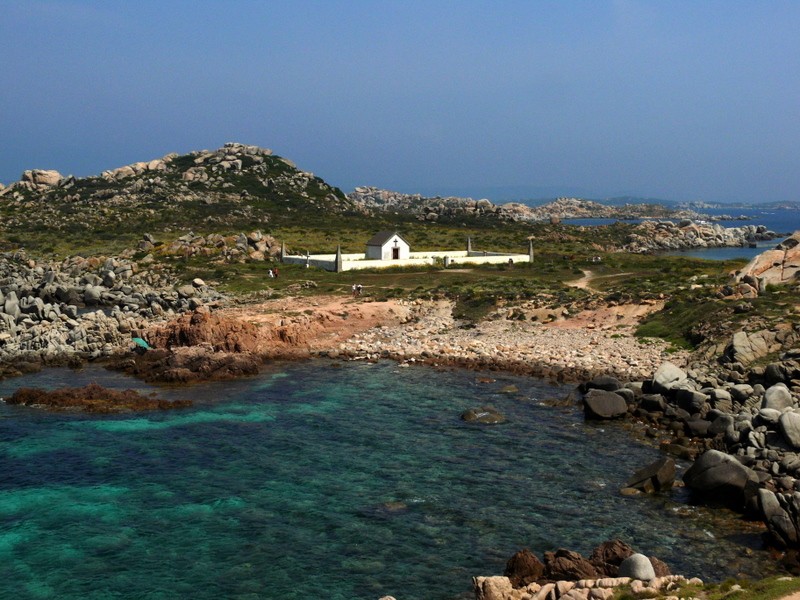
(318, 479)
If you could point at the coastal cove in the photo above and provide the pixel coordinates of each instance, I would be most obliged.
(354, 478)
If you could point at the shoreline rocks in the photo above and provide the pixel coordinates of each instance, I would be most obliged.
(82, 309)
(741, 427)
(567, 575)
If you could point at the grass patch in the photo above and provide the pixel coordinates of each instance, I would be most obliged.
(771, 588)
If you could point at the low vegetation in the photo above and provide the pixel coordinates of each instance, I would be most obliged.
(772, 588)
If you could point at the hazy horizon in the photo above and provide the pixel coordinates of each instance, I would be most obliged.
(680, 101)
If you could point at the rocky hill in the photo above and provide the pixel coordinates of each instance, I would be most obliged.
(234, 187)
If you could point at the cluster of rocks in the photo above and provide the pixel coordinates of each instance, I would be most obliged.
(654, 236)
(82, 307)
(255, 246)
(777, 266)
(741, 424)
(565, 574)
(430, 334)
(371, 199)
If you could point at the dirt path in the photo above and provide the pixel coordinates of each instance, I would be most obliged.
(584, 282)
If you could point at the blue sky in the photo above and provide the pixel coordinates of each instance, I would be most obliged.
(675, 100)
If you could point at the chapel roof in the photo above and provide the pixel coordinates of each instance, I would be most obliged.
(380, 238)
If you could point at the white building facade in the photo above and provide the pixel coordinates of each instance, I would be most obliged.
(387, 245)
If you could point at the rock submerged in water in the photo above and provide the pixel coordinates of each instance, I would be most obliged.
(600, 404)
(92, 398)
(485, 414)
(656, 477)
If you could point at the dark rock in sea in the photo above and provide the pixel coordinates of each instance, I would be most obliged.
(600, 404)
(524, 568)
(653, 403)
(92, 398)
(780, 513)
(656, 477)
(607, 557)
(567, 565)
(722, 477)
(602, 382)
(188, 365)
(485, 414)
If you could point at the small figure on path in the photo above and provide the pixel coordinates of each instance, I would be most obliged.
(271, 274)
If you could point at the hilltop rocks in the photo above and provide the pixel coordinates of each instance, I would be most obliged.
(41, 179)
(371, 199)
(208, 187)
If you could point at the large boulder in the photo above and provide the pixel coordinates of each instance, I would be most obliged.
(637, 566)
(778, 397)
(602, 382)
(722, 477)
(691, 401)
(42, 178)
(608, 556)
(599, 404)
(566, 565)
(492, 588)
(789, 426)
(780, 515)
(523, 568)
(746, 348)
(667, 377)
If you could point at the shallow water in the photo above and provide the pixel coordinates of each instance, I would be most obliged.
(317, 479)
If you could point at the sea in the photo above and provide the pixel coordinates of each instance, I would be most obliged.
(342, 480)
